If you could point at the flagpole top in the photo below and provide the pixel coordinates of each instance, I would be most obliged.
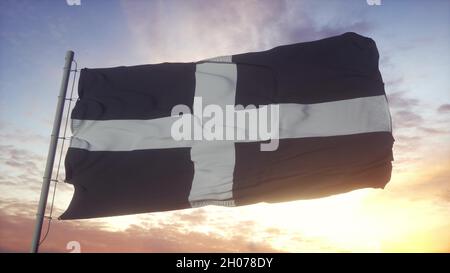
(69, 54)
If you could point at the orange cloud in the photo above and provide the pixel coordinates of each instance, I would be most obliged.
(16, 231)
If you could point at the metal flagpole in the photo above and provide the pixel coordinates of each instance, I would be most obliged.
(51, 152)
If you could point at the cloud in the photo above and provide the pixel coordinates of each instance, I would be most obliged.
(21, 173)
(20, 160)
(16, 230)
(22, 163)
(310, 31)
(400, 100)
(414, 128)
(406, 118)
(407, 112)
(434, 131)
(445, 195)
(198, 216)
(444, 108)
(23, 136)
(191, 34)
(430, 185)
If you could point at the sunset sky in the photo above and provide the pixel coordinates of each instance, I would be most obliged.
(411, 214)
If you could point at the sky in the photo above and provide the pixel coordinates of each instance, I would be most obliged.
(412, 214)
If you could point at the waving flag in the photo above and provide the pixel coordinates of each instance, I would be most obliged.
(333, 130)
